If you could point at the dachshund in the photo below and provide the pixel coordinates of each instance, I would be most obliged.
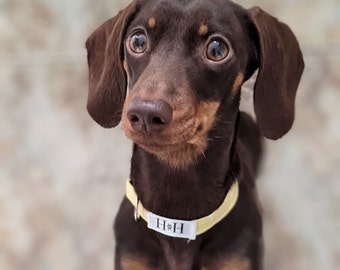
(171, 72)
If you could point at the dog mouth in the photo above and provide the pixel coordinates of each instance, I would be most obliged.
(166, 141)
(183, 140)
(176, 150)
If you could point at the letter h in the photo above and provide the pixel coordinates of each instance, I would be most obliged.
(161, 224)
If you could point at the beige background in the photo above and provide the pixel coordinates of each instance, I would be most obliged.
(62, 176)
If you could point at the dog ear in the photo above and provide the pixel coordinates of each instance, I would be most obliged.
(107, 79)
(280, 69)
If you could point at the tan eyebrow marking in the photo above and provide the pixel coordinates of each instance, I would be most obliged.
(152, 22)
(203, 29)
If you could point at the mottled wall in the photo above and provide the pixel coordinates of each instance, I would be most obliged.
(62, 176)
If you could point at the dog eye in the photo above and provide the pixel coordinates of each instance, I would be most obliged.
(138, 43)
(217, 50)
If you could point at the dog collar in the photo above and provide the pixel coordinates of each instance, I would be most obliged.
(182, 228)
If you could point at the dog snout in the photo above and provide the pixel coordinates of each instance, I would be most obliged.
(149, 117)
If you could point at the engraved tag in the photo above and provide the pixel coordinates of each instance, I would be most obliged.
(172, 227)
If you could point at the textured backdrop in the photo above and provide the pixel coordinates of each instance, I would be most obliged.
(62, 176)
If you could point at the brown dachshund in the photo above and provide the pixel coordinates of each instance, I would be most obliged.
(172, 71)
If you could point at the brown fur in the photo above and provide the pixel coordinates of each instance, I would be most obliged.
(238, 82)
(235, 263)
(187, 153)
(134, 263)
(232, 263)
(182, 113)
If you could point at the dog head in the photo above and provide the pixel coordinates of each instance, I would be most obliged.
(183, 64)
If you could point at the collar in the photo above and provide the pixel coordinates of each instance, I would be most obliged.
(183, 228)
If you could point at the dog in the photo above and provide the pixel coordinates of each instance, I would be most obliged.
(171, 71)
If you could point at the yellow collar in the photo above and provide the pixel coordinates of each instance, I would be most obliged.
(183, 228)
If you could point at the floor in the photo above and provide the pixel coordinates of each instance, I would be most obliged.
(62, 176)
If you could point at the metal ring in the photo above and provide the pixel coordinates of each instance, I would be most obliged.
(136, 214)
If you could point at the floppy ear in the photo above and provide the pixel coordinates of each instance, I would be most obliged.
(280, 70)
(107, 79)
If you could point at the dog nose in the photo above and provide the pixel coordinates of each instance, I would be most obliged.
(149, 117)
